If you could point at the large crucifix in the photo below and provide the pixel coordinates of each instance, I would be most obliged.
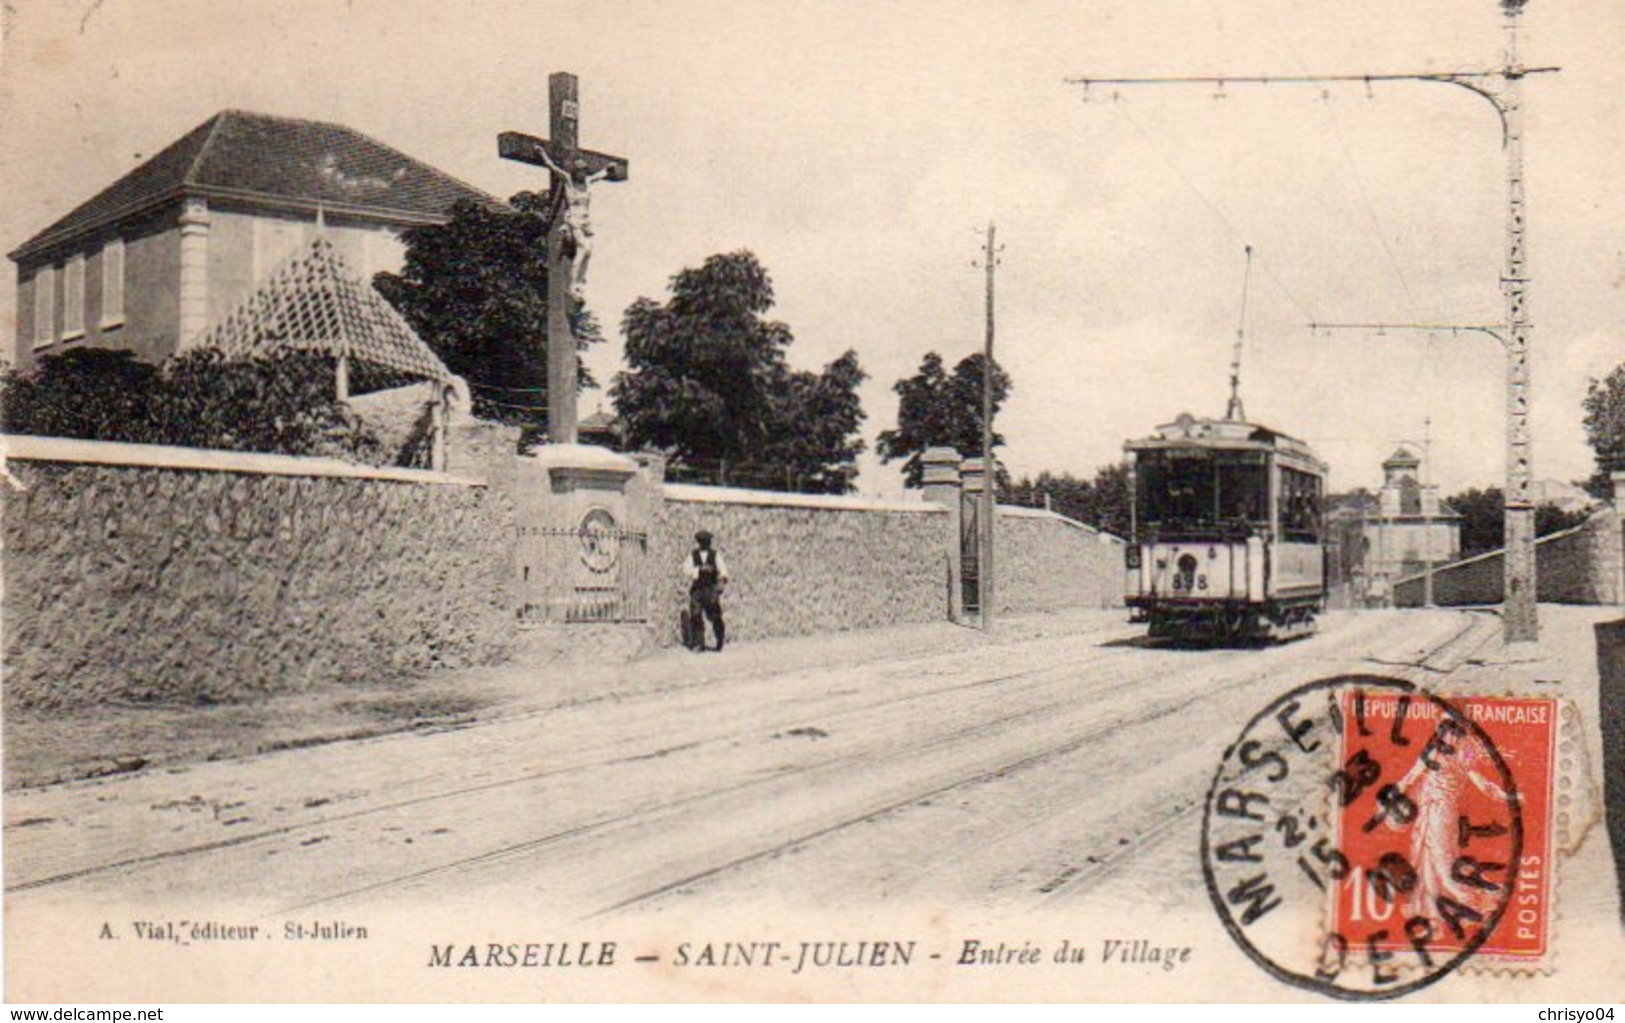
(569, 235)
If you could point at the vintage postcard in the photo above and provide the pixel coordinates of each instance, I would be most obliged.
(1097, 501)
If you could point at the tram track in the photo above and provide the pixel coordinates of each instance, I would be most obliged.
(331, 820)
(939, 785)
(1443, 657)
(1014, 721)
(808, 772)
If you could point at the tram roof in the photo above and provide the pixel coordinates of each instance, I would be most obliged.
(1187, 431)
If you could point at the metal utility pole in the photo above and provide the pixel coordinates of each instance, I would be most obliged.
(1502, 88)
(984, 541)
(1520, 617)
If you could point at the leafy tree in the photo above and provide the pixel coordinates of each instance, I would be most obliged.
(1102, 502)
(88, 393)
(819, 415)
(281, 405)
(475, 289)
(1605, 430)
(936, 408)
(709, 382)
(1483, 519)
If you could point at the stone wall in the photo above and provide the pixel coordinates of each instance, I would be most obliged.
(1045, 561)
(804, 564)
(1576, 566)
(139, 574)
(801, 564)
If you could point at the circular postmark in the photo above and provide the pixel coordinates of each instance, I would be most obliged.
(1361, 837)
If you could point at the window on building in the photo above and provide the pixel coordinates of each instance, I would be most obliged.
(1410, 496)
(44, 307)
(113, 283)
(73, 298)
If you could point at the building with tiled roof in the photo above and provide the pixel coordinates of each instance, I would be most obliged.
(1406, 528)
(181, 240)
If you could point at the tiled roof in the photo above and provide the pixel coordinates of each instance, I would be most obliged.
(1402, 457)
(282, 160)
(313, 303)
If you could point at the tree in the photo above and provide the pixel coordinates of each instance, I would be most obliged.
(475, 289)
(1483, 519)
(1605, 430)
(1102, 502)
(935, 409)
(709, 382)
(1483, 514)
(284, 404)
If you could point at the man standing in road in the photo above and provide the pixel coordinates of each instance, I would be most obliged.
(707, 577)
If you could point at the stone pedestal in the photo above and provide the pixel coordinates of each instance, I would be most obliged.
(581, 557)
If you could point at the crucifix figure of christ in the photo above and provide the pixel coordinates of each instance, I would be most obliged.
(576, 201)
(569, 235)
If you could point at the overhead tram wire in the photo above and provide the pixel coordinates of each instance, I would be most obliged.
(511, 390)
(1209, 203)
(484, 391)
(1359, 186)
(511, 405)
(1423, 372)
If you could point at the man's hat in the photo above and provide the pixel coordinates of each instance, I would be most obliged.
(703, 536)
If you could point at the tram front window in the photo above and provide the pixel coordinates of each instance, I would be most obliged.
(1204, 493)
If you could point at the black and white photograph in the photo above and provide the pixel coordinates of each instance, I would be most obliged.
(723, 501)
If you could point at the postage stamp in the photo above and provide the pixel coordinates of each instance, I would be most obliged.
(1392, 806)
(1438, 822)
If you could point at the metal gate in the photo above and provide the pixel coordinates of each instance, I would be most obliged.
(970, 562)
(594, 572)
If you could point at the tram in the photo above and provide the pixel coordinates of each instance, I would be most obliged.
(1228, 532)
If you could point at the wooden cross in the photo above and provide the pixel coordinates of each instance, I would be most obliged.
(564, 114)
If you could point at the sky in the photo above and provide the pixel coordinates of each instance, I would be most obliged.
(858, 149)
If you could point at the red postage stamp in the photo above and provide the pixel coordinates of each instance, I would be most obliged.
(1429, 845)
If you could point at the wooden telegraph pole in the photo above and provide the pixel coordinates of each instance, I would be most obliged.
(984, 540)
(561, 151)
(1502, 87)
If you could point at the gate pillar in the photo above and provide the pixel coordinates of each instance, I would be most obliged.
(939, 482)
(972, 478)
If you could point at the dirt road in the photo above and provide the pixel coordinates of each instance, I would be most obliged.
(1001, 774)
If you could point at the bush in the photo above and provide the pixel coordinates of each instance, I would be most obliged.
(90, 393)
(281, 405)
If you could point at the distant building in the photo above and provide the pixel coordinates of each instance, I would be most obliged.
(603, 429)
(1565, 496)
(180, 241)
(1408, 527)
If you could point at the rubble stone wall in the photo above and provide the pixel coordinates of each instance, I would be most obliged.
(155, 582)
(801, 564)
(1045, 561)
(1577, 566)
